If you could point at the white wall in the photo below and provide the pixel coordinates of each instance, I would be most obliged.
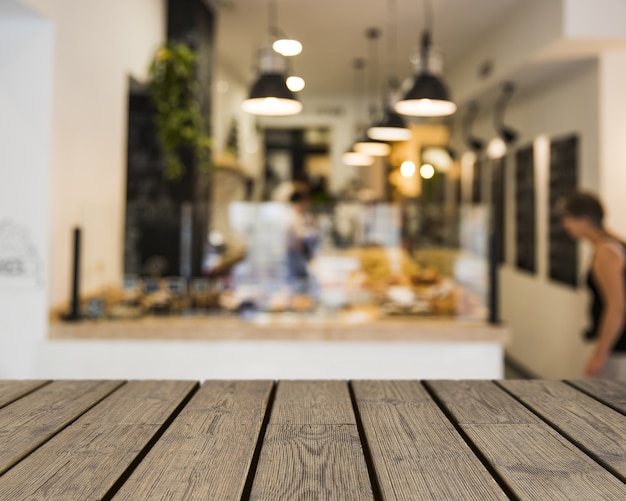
(547, 318)
(98, 45)
(613, 133)
(25, 140)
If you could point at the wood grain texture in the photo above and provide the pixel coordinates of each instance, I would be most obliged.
(33, 419)
(312, 448)
(207, 451)
(312, 402)
(88, 457)
(534, 460)
(612, 393)
(416, 451)
(12, 390)
(597, 428)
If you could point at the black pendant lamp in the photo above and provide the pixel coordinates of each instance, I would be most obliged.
(429, 96)
(366, 144)
(391, 127)
(269, 95)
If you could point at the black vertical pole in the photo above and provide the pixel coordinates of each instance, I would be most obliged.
(494, 286)
(495, 239)
(74, 313)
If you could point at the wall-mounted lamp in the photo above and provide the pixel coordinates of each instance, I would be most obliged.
(498, 146)
(269, 94)
(475, 144)
(429, 95)
(508, 134)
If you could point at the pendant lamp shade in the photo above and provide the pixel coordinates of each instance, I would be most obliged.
(356, 159)
(391, 128)
(372, 147)
(269, 95)
(428, 96)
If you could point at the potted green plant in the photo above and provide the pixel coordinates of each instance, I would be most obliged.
(172, 89)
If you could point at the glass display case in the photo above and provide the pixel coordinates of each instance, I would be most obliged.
(351, 260)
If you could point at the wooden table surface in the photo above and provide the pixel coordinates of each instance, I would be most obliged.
(314, 440)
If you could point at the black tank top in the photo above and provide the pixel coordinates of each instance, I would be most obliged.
(597, 307)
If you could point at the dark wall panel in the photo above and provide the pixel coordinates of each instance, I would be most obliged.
(563, 255)
(525, 210)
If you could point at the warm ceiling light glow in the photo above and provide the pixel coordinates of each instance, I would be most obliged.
(271, 106)
(437, 156)
(496, 148)
(295, 84)
(427, 171)
(287, 47)
(383, 133)
(356, 159)
(407, 169)
(373, 148)
(425, 107)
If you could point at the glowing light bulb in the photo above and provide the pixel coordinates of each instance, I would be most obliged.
(427, 171)
(295, 84)
(407, 169)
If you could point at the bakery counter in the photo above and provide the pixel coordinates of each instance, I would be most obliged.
(274, 347)
(284, 327)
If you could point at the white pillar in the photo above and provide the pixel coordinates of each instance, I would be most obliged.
(612, 124)
(26, 56)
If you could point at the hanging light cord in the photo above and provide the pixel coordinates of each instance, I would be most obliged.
(372, 35)
(392, 44)
(359, 87)
(427, 33)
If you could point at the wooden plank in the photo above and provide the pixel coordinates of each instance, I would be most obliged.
(531, 458)
(598, 429)
(86, 459)
(32, 420)
(313, 402)
(612, 393)
(312, 448)
(207, 451)
(11, 390)
(416, 451)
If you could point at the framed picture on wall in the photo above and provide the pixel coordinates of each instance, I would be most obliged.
(525, 210)
(563, 180)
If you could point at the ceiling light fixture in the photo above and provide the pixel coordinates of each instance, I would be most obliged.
(429, 96)
(427, 171)
(269, 95)
(357, 159)
(407, 169)
(295, 84)
(284, 45)
(475, 144)
(392, 126)
(366, 144)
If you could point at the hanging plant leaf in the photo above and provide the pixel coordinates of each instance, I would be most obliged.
(172, 89)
